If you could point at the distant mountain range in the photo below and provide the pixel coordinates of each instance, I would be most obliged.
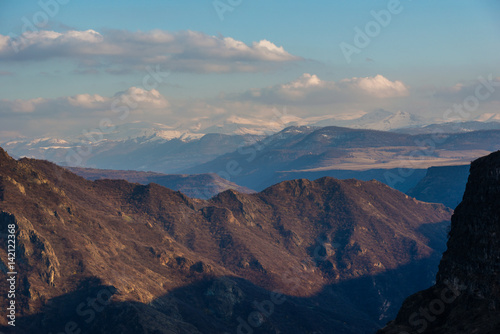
(148, 151)
(451, 127)
(444, 185)
(398, 158)
(393, 158)
(203, 186)
(172, 149)
(302, 256)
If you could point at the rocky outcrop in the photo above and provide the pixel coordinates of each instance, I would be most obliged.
(466, 296)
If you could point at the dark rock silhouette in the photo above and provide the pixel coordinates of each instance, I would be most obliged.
(466, 296)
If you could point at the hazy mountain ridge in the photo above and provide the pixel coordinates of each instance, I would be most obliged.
(139, 153)
(302, 150)
(397, 159)
(444, 185)
(202, 186)
(451, 127)
(145, 145)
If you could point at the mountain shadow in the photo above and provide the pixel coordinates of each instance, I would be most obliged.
(229, 304)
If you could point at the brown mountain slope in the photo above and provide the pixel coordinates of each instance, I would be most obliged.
(466, 296)
(342, 254)
(202, 186)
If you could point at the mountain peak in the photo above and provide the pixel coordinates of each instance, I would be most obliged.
(3, 153)
(4, 156)
(298, 129)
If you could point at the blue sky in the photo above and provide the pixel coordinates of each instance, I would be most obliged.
(428, 46)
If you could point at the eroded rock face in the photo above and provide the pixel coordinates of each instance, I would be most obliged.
(118, 257)
(466, 296)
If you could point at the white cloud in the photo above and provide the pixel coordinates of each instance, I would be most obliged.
(189, 51)
(378, 86)
(485, 89)
(305, 81)
(266, 50)
(20, 106)
(4, 43)
(307, 99)
(45, 44)
(145, 99)
(136, 99)
(310, 89)
(87, 101)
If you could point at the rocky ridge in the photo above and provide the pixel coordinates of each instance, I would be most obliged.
(302, 256)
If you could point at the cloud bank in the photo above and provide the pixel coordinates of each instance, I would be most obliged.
(307, 99)
(310, 89)
(84, 104)
(184, 51)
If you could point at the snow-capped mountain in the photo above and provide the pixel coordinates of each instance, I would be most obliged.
(488, 117)
(171, 148)
(375, 120)
(390, 121)
(143, 131)
(254, 126)
(451, 127)
(56, 149)
(135, 146)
